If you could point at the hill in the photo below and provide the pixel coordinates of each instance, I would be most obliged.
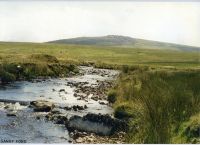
(124, 41)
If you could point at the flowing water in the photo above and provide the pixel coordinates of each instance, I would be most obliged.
(26, 125)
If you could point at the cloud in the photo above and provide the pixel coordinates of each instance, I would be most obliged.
(41, 21)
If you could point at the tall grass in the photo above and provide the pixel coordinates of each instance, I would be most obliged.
(160, 101)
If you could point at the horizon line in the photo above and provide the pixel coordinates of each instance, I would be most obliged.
(13, 41)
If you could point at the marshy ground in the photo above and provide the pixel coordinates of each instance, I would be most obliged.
(156, 92)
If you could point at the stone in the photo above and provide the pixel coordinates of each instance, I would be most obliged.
(90, 139)
(77, 107)
(79, 140)
(94, 98)
(57, 118)
(42, 106)
(67, 108)
(102, 103)
(11, 114)
(38, 117)
(61, 120)
(62, 90)
(55, 111)
(104, 124)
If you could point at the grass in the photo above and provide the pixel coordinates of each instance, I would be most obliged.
(10, 72)
(21, 52)
(157, 102)
(158, 91)
(189, 131)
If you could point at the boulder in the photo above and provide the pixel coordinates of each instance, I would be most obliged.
(97, 123)
(42, 106)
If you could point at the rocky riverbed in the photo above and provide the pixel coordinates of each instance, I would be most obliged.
(66, 110)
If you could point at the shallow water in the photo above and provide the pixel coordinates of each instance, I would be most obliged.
(27, 127)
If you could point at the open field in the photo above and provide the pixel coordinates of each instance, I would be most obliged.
(21, 52)
(157, 92)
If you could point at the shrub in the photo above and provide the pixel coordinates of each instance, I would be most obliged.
(112, 96)
(125, 69)
(123, 112)
(71, 67)
(7, 77)
(189, 131)
(192, 129)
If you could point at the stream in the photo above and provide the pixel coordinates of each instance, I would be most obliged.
(87, 89)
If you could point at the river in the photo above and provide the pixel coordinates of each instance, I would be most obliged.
(86, 89)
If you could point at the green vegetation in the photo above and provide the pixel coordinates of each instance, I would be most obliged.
(158, 91)
(189, 131)
(157, 102)
(112, 96)
(10, 72)
(100, 55)
(6, 76)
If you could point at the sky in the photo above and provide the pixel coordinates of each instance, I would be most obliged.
(40, 21)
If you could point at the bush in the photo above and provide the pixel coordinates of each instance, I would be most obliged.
(7, 77)
(125, 69)
(112, 96)
(189, 131)
(123, 112)
(192, 129)
(71, 67)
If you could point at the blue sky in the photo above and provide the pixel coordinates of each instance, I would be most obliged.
(39, 21)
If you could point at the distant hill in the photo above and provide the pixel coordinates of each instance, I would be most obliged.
(124, 41)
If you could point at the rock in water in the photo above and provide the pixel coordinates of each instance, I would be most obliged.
(11, 114)
(57, 118)
(62, 90)
(97, 123)
(79, 140)
(42, 105)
